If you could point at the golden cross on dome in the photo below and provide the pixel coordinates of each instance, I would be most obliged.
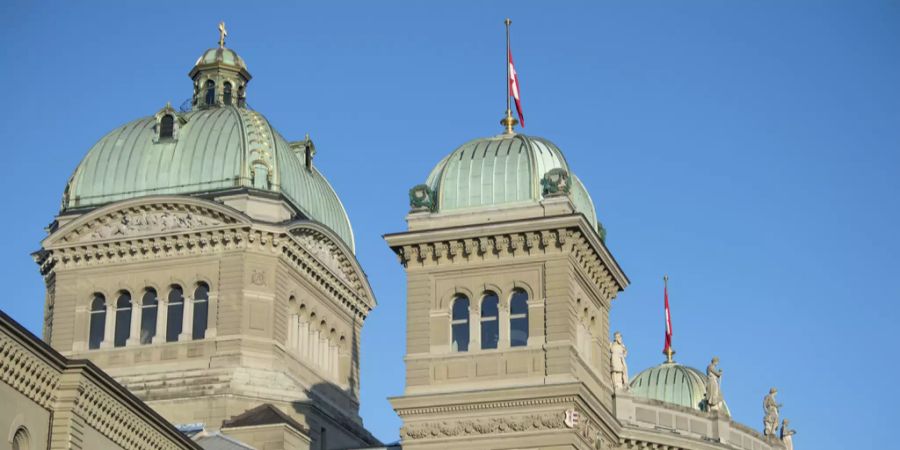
(222, 33)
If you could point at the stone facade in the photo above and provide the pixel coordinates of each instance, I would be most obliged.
(53, 402)
(552, 392)
(285, 308)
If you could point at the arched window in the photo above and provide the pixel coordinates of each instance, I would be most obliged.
(149, 308)
(459, 324)
(21, 440)
(226, 93)
(241, 98)
(167, 127)
(98, 321)
(123, 319)
(201, 311)
(210, 92)
(518, 319)
(175, 313)
(490, 323)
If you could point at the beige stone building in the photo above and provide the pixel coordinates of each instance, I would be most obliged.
(202, 261)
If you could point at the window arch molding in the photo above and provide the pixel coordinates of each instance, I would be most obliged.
(445, 301)
(19, 433)
(510, 288)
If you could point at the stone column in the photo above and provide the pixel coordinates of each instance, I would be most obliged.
(503, 324)
(290, 339)
(212, 309)
(162, 320)
(474, 325)
(187, 324)
(109, 332)
(134, 335)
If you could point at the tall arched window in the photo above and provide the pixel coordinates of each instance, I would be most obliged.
(459, 324)
(149, 309)
(201, 311)
(490, 323)
(175, 313)
(167, 127)
(226, 93)
(241, 97)
(123, 319)
(98, 321)
(518, 319)
(21, 440)
(210, 92)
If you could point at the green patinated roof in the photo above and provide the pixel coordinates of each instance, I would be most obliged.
(220, 55)
(214, 150)
(672, 383)
(502, 170)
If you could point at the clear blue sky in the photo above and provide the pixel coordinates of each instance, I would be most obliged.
(747, 149)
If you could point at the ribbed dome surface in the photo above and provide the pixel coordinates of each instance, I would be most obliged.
(214, 150)
(502, 170)
(221, 55)
(672, 383)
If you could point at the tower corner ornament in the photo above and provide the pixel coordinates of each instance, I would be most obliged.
(555, 183)
(421, 198)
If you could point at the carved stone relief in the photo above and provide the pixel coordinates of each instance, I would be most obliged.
(144, 222)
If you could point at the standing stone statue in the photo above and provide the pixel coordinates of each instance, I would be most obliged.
(713, 385)
(771, 407)
(618, 367)
(786, 434)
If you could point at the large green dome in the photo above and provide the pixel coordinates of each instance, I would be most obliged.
(674, 384)
(502, 171)
(213, 149)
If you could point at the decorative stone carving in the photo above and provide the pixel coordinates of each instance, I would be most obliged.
(619, 368)
(555, 183)
(713, 385)
(786, 435)
(141, 223)
(324, 252)
(572, 418)
(421, 198)
(771, 407)
(494, 425)
(258, 277)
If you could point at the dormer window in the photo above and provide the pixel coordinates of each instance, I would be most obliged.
(210, 93)
(167, 127)
(226, 93)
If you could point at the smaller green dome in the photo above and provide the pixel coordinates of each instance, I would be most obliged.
(672, 383)
(502, 171)
(221, 55)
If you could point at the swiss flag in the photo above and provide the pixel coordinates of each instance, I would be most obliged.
(514, 87)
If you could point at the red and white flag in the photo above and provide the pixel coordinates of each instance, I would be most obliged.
(668, 322)
(514, 87)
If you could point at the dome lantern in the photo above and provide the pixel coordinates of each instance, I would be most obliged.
(220, 77)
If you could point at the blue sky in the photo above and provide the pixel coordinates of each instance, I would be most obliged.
(747, 149)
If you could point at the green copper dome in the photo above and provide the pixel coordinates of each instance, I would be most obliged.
(504, 170)
(212, 149)
(672, 383)
(221, 55)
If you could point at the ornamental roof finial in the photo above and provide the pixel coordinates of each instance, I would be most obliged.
(222, 34)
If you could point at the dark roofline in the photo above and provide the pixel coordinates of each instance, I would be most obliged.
(97, 374)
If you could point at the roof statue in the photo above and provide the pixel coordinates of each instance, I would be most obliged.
(771, 407)
(713, 383)
(787, 435)
(618, 366)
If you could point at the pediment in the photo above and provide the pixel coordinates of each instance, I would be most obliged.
(328, 250)
(144, 218)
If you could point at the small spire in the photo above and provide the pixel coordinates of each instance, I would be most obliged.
(222, 34)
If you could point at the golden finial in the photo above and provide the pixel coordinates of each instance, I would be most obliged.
(222, 34)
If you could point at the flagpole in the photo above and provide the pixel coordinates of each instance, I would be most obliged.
(508, 121)
(668, 351)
